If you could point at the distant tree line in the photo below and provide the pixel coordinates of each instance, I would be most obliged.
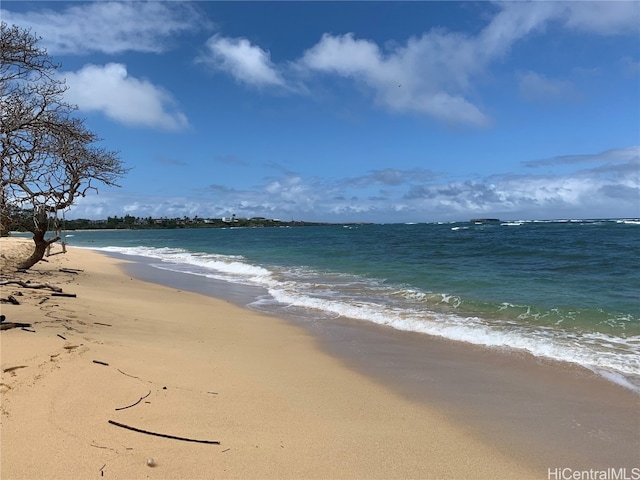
(129, 222)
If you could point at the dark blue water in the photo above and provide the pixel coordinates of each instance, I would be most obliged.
(568, 290)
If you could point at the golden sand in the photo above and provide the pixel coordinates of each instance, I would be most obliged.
(195, 367)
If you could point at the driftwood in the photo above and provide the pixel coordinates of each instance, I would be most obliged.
(10, 299)
(30, 285)
(9, 325)
(173, 437)
(134, 404)
(72, 295)
(11, 369)
(61, 337)
(71, 270)
(101, 363)
(105, 324)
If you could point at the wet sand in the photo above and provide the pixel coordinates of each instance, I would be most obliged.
(545, 413)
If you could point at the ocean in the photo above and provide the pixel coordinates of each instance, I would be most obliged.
(566, 290)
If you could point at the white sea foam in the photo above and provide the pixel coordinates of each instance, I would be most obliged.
(336, 294)
(226, 267)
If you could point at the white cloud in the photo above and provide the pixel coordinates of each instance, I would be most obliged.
(517, 19)
(604, 17)
(110, 90)
(245, 62)
(611, 188)
(427, 76)
(434, 74)
(514, 21)
(109, 27)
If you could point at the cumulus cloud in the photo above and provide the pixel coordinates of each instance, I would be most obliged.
(110, 90)
(109, 27)
(245, 62)
(610, 186)
(427, 76)
(605, 189)
(433, 74)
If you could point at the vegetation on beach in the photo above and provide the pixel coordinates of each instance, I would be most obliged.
(49, 158)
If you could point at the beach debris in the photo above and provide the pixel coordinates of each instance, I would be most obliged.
(102, 470)
(71, 270)
(103, 324)
(27, 284)
(43, 300)
(10, 299)
(134, 404)
(60, 294)
(163, 435)
(61, 337)
(11, 369)
(9, 325)
(127, 374)
(151, 462)
(101, 363)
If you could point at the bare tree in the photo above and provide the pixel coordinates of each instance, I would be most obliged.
(49, 158)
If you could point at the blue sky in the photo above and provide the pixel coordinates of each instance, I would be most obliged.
(355, 111)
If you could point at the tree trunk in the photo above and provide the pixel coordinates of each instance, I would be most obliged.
(39, 250)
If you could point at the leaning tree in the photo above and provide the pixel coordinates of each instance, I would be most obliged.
(49, 158)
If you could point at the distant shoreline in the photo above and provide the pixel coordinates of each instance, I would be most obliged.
(80, 225)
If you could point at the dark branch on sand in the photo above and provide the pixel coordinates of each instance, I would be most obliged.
(134, 404)
(9, 325)
(29, 285)
(173, 437)
(127, 374)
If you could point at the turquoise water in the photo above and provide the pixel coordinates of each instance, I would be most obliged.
(567, 290)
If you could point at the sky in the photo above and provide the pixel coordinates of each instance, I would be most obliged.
(354, 111)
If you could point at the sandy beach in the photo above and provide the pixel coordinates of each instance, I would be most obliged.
(188, 366)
